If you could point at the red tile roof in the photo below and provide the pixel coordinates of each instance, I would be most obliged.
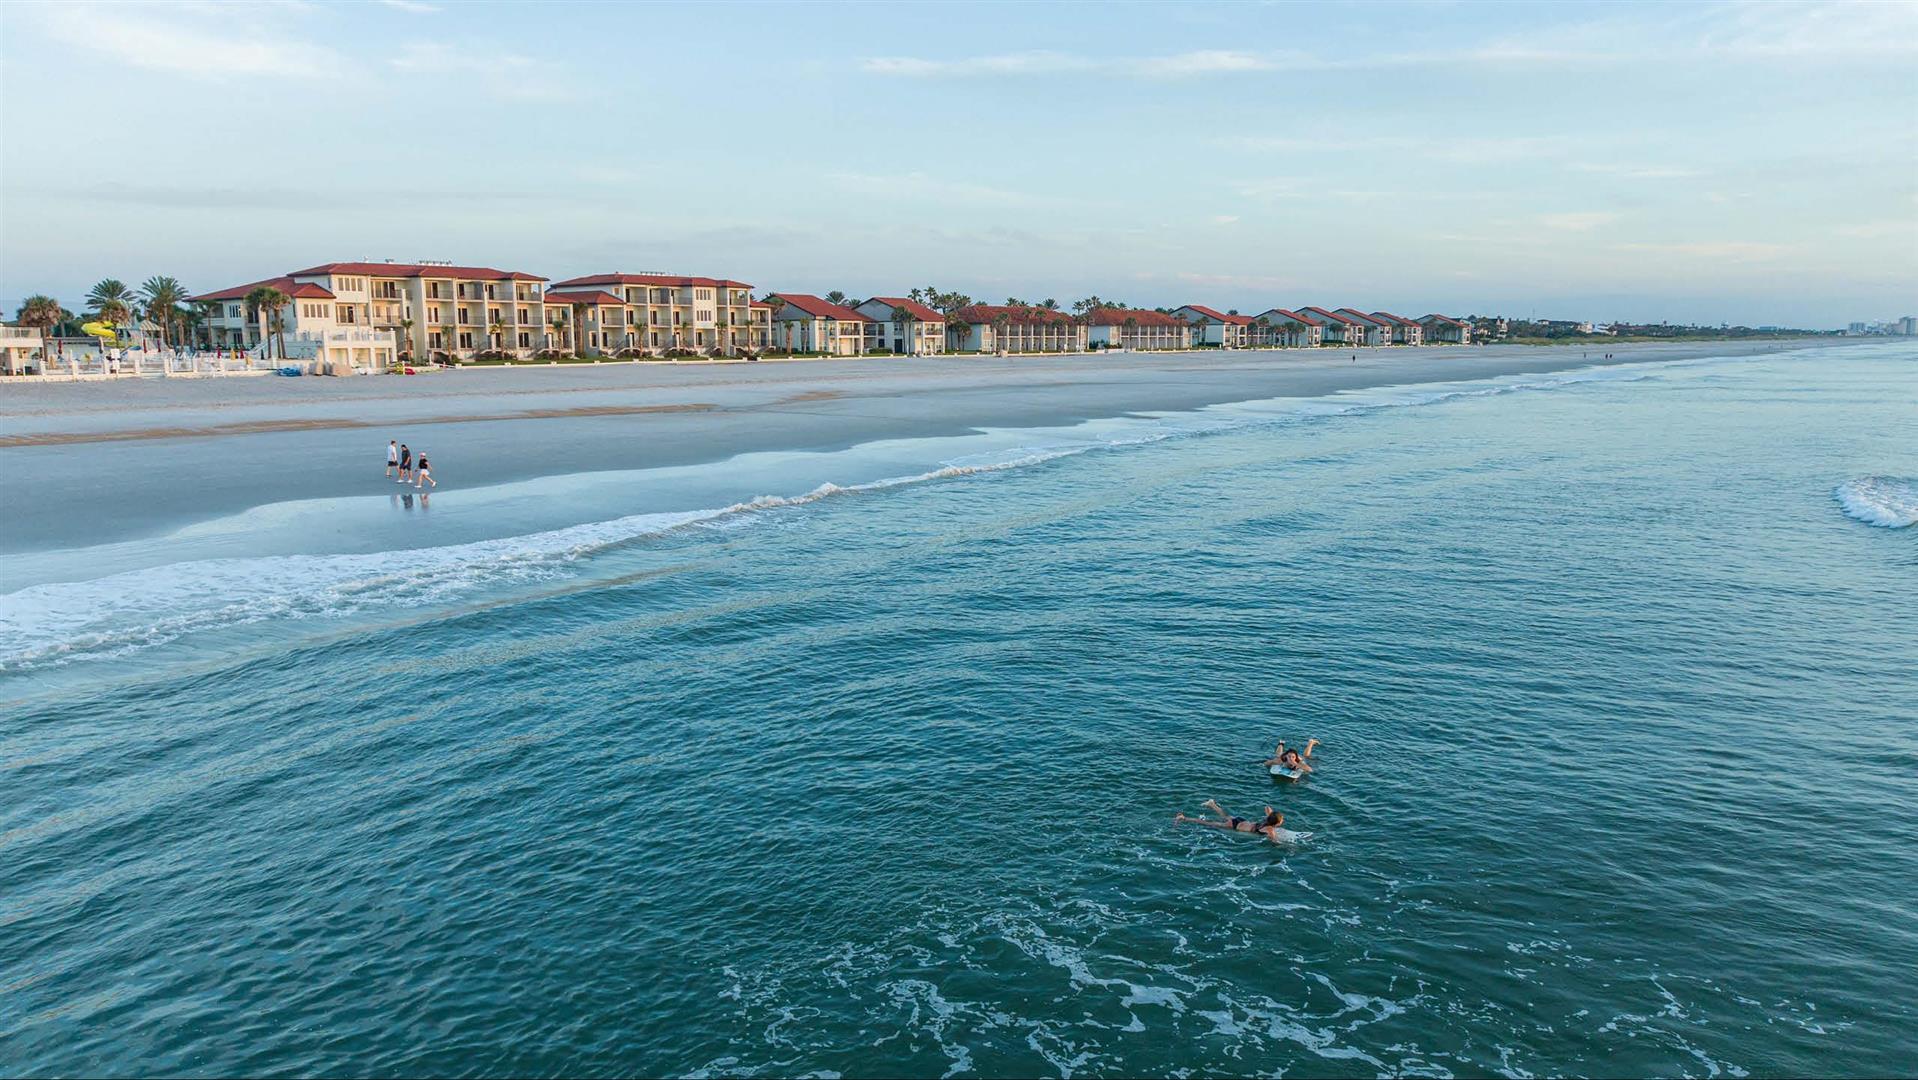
(1143, 317)
(1333, 315)
(1442, 318)
(1361, 317)
(1299, 317)
(1236, 320)
(760, 304)
(822, 309)
(981, 314)
(298, 290)
(918, 310)
(1389, 317)
(416, 270)
(664, 280)
(597, 297)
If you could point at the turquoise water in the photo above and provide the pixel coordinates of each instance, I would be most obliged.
(1616, 673)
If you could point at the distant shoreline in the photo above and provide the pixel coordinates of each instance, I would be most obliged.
(107, 461)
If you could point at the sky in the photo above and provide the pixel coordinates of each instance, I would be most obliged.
(1749, 163)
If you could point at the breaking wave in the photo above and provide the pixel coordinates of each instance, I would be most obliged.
(63, 622)
(1889, 502)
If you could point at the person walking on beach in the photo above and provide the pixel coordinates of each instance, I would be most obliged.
(425, 474)
(406, 463)
(392, 456)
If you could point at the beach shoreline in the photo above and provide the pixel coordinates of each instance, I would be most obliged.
(102, 462)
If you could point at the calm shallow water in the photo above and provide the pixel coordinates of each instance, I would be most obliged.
(1617, 675)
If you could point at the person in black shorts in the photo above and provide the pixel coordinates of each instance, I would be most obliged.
(406, 463)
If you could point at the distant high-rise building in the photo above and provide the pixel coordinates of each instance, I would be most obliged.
(1908, 326)
(1855, 328)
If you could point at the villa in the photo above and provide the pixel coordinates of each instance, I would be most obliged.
(1010, 329)
(1286, 327)
(334, 326)
(1339, 329)
(915, 329)
(1446, 329)
(582, 319)
(669, 311)
(1137, 328)
(430, 307)
(1373, 331)
(1215, 328)
(1404, 330)
(805, 323)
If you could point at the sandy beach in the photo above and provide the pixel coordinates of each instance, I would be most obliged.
(105, 462)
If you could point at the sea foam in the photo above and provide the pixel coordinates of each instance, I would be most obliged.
(61, 622)
(1889, 502)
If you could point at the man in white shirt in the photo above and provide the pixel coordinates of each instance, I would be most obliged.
(392, 456)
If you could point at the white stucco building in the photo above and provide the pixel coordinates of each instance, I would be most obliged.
(904, 326)
(1217, 327)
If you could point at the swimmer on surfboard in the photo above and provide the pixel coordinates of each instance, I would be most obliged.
(1290, 763)
(1268, 826)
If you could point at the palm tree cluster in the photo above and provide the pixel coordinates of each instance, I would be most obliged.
(161, 300)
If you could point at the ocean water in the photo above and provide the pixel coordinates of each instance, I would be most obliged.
(865, 763)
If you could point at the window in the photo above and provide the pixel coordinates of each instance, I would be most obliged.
(466, 341)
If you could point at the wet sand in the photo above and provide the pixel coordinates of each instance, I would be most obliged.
(105, 461)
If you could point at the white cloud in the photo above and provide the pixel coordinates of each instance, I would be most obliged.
(1464, 149)
(1634, 172)
(1734, 250)
(1887, 227)
(1752, 30)
(1578, 221)
(926, 186)
(506, 75)
(142, 37)
(1048, 62)
(414, 7)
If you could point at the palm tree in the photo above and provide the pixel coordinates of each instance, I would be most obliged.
(999, 324)
(42, 313)
(579, 327)
(406, 335)
(557, 321)
(835, 297)
(191, 320)
(1265, 328)
(499, 333)
(1049, 304)
(163, 296)
(272, 301)
(111, 302)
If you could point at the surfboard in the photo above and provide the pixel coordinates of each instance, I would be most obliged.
(1284, 773)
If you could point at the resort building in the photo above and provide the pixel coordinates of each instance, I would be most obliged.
(1372, 331)
(668, 311)
(1284, 327)
(806, 323)
(1338, 329)
(1218, 328)
(1441, 328)
(1404, 330)
(995, 328)
(580, 321)
(1136, 328)
(427, 308)
(904, 326)
(317, 323)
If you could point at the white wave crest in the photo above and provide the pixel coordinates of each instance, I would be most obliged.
(1889, 502)
(61, 622)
